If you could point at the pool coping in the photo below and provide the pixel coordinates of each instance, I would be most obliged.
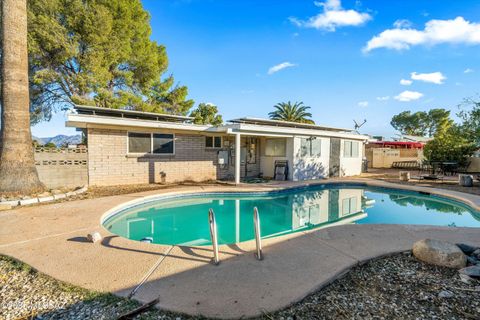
(118, 264)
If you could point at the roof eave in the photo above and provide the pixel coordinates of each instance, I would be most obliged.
(84, 121)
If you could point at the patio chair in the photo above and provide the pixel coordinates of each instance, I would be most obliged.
(281, 170)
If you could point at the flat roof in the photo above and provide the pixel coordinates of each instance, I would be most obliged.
(288, 124)
(132, 114)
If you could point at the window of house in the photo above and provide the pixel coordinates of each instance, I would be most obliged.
(275, 147)
(350, 149)
(139, 142)
(155, 143)
(349, 206)
(310, 147)
(163, 143)
(213, 142)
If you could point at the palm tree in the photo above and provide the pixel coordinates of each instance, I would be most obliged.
(286, 111)
(17, 166)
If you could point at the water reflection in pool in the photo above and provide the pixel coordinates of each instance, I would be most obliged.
(184, 220)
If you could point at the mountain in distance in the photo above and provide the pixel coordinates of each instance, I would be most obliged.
(60, 140)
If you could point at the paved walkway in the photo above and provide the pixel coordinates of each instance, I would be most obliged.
(51, 238)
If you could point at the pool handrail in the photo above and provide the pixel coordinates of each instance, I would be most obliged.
(213, 235)
(258, 235)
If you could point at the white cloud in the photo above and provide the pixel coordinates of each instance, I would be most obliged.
(406, 96)
(468, 70)
(281, 66)
(332, 17)
(402, 24)
(434, 77)
(457, 30)
(405, 82)
(384, 98)
(363, 104)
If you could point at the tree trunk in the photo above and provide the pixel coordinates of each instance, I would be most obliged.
(17, 165)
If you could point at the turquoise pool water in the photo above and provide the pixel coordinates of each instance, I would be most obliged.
(184, 220)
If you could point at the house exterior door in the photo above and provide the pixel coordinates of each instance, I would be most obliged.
(334, 167)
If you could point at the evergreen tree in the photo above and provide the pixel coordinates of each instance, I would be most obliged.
(421, 123)
(206, 113)
(98, 52)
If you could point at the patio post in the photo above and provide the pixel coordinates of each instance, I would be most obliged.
(237, 158)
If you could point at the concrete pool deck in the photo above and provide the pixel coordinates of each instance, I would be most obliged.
(51, 238)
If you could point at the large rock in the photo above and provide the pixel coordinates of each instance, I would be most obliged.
(472, 271)
(439, 253)
(466, 248)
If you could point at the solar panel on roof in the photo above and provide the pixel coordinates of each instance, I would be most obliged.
(288, 124)
(132, 114)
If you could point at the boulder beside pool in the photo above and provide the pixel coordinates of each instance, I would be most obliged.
(440, 253)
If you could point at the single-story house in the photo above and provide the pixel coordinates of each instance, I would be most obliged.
(132, 147)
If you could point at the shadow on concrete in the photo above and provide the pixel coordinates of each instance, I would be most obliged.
(187, 250)
(293, 268)
(235, 247)
(79, 239)
(242, 287)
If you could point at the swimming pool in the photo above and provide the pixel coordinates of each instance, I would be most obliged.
(183, 220)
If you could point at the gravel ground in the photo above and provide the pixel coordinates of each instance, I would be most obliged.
(97, 192)
(396, 287)
(28, 294)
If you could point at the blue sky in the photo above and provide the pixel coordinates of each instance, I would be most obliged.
(345, 59)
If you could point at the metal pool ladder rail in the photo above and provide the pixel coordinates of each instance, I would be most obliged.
(213, 235)
(258, 235)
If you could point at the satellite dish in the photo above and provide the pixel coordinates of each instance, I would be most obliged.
(358, 126)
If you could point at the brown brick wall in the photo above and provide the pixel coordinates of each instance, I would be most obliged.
(109, 163)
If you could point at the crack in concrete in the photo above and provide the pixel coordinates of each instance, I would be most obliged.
(46, 237)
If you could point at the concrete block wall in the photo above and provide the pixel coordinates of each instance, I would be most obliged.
(62, 167)
(109, 163)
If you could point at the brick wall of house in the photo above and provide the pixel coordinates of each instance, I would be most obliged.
(109, 163)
